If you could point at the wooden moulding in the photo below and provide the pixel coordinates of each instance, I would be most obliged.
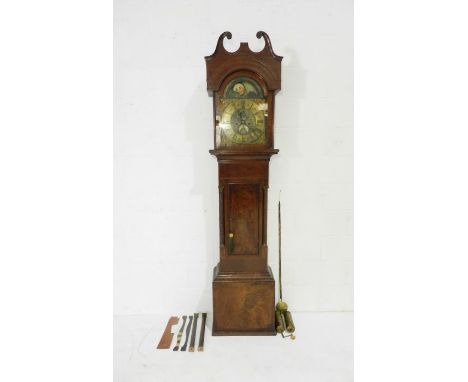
(222, 63)
(243, 304)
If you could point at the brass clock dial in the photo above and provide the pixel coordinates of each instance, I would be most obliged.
(242, 121)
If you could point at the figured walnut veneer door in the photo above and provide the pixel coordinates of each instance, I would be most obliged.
(244, 213)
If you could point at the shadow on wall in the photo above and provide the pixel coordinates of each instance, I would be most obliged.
(288, 109)
(287, 117)
(293, 89)
(199, 132)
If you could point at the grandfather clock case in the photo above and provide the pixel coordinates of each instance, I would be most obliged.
(243, 85)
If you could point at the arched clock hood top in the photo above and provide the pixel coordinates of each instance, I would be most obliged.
(264, 63)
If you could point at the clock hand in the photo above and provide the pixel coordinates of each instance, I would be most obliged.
(256, 130)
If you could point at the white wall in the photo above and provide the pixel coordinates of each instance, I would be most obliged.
(166, 207)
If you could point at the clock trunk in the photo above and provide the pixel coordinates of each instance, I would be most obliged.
(243, 284)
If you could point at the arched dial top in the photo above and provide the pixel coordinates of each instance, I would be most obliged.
(241, 115)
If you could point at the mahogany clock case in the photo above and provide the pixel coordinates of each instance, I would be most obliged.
(243, 284)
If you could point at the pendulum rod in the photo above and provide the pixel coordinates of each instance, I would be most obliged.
(201, 341)
(187, 334)
(194, 333)
(279, 248)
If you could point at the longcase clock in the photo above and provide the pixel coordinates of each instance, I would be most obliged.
(243, 85)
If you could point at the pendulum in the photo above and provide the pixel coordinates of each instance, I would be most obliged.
(187, 334)
(194, 333)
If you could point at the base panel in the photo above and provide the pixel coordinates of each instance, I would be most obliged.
(243, 305)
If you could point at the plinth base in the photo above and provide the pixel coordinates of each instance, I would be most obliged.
(243, 304)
